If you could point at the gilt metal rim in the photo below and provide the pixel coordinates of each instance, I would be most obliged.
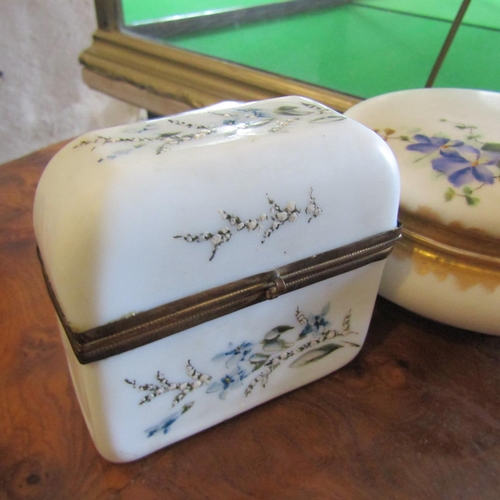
(148, 326)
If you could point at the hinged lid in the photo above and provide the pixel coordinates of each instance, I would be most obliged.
(131, 218)
(139, 329)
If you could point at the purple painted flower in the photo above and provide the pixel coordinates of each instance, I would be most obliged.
(426, 145)
(466, 164)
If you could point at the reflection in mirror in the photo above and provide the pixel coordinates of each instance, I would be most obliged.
(162, 19)
(363, 48)
(147, 11)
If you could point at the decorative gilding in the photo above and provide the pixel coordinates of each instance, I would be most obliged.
(428, 256)
(471, 255)
(428, 223)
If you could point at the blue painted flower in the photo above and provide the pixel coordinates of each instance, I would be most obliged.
(235, 355)
(467, 164)
(231, 380)
(316, 324)
(165, 425)
(425, 144)
(258, 113)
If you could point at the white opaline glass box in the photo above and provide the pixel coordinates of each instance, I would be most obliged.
(163, 243)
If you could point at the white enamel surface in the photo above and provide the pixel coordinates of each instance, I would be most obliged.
(469, 116)
(106, 217)
(111, 407)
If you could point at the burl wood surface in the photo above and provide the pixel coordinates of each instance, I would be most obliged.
(415, 416)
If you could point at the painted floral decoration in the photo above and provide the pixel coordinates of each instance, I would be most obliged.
(277, 217)
(163, 135)
(467, 162)
(311, 338)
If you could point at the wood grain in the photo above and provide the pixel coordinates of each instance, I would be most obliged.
(415, 416)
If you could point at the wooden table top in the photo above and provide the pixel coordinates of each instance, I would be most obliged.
(415, 416)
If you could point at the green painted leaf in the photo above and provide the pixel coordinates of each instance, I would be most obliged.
(472, 201)
(449, 194)
(315, 355)
(353, 344)
(275, 345)
(491, 146)
(277, 331)
(169, 134)
(258, 360)
(325, 309)
(328, 119)
(467, 191)
(259, 123)
(291, 111)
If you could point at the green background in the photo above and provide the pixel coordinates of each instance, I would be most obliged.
(365, 48)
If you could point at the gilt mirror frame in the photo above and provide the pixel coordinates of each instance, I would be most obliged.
(128, 64)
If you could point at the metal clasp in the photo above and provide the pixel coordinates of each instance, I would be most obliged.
(277, 289)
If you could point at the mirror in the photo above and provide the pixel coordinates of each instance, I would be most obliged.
(358, 48)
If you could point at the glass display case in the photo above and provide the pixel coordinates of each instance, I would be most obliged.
(167, 57)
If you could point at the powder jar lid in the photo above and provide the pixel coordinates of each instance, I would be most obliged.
(447, 143)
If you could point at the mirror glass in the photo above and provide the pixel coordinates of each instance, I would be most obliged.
(362, 47)
(147, 11)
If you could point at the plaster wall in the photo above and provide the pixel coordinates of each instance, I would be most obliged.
(43, 99)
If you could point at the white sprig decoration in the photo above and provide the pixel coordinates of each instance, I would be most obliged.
(164, 385)
(312, 209)
(280, 216)
(217, 239)
(277, 217)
